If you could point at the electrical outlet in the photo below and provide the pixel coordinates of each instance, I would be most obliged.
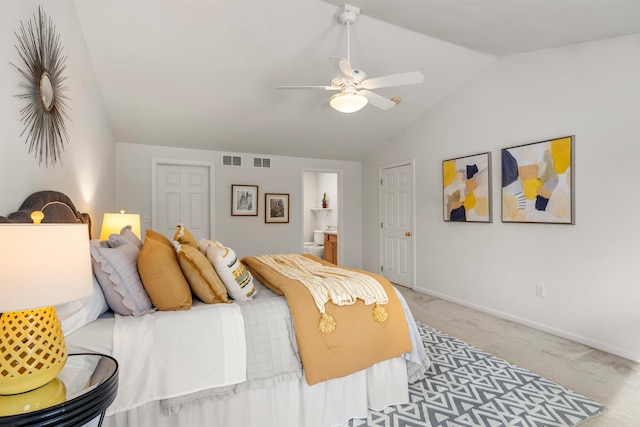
(146, 218)
(540, 290)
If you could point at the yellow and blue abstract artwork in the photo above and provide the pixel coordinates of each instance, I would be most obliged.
(537, 182)
(467, 188)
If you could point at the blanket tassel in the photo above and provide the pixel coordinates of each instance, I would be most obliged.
(327, 324)
(379, 313)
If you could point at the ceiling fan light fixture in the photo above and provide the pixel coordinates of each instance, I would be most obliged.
(354, 85)
(348, 102)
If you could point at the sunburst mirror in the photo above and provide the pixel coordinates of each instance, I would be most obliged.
(43, 89)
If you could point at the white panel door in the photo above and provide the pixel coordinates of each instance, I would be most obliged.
(396, 225)
(182, 196)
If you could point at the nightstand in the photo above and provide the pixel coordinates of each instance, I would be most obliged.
(81, 393)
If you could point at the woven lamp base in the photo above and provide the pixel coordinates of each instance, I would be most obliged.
(32, 349)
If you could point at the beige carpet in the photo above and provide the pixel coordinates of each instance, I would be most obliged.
(611, 380)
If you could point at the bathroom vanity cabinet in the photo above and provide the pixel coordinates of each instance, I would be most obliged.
(331, 248)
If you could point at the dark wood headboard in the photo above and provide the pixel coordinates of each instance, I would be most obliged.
(56, 206)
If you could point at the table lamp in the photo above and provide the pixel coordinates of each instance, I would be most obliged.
(41, 265)
(113, 223)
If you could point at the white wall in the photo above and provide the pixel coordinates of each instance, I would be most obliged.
(247, 235)
(590, 269)
(328, 183)
(316, 184)
(88, 162)
(310, 185)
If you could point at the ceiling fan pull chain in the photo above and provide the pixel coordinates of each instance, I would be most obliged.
(349, 42)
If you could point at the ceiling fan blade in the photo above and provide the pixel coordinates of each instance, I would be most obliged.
(377, 100)
(308, 87)
(343, 68)
(411, 78)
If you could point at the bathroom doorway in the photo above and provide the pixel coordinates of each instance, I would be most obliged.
(321, 197)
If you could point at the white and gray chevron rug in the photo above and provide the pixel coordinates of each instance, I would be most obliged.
(466, 386)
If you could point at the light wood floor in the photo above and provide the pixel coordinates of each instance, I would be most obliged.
(608, 379)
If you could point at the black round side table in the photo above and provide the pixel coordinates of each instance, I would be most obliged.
(81, 392)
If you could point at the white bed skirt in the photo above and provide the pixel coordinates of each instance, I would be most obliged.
(287, 404)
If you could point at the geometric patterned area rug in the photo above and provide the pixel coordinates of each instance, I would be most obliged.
(466, 386)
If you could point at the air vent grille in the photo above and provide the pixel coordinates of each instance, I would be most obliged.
(228, 160)
(261, 162)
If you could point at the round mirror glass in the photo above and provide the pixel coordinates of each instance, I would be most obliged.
(46, 91)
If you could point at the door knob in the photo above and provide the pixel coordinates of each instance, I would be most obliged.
(408, 234)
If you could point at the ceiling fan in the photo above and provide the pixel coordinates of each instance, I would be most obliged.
(353, 85)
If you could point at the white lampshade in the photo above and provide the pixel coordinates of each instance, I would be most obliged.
(43, 265)
(348, 102)
(113, 223)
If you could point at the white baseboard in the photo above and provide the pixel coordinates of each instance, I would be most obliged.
(539, 326)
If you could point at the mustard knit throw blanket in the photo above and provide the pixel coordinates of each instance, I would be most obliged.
(341, 286)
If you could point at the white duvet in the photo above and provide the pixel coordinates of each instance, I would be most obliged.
(156, 357)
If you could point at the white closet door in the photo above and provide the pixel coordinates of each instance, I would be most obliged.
(183, 196)
(396, 225)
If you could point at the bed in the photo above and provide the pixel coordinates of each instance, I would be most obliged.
(238, 361)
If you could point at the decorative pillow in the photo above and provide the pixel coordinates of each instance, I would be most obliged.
(236, 278)
(200, 274)
(128, 234)
(150, 234)
(117, 272)
(74, 315)
(161, 275)
(184, 237)
(203, 245)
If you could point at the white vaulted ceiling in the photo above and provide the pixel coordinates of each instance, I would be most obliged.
(202, 74)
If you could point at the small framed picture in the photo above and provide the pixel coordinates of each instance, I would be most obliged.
(244, 200)
(276, 208)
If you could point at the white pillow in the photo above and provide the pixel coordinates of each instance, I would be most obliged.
(116, 269)
(236, 278)
(74, 315)
(203, 245)
(127, 234)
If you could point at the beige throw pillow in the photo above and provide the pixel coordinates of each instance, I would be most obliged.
(200, 274)
(161, 274)
(184, 237)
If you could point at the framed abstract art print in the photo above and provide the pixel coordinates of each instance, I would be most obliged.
(466, 183)
(537, 182)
